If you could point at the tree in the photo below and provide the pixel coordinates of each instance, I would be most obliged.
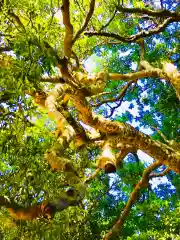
(54, 113)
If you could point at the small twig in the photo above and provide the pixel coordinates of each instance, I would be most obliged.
(121, 95)
(161, 134)
(165, 172)
(110, 20)
(92, 176)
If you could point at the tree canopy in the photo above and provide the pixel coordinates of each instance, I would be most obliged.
(89, 119)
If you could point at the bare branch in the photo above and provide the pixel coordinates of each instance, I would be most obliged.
(134, 195)
(110, 20)
(55, 79)
(89, 15)
(134, 38)
(121, 95)
(165, 172)
(154, 13)
(92, 176)
(142, 48)
(44, 209)
(133, 76)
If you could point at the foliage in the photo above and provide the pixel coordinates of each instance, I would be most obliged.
(31, 37)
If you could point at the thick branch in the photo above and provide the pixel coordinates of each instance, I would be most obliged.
(173, 75)
(68, 27)
(154, 13)
(63, 127)
(63, 67)
(142, 48)
(169, 73)
(133, 76)
(89, 15)
(124, 133)
(44, 209)
(134, 38)
(134, 195)
(55, 79)
(65, 132)
(107, 159)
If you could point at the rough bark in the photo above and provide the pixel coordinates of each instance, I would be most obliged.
(126, 134)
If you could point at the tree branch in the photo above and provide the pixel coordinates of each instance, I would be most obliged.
(133, 76)
(92, 176)
(55, 79)
(134, 195)
(89, 15)
(121, 95)
(134, 38)
(154, 13)
(110, 20)
(68, 39)
(122, 132)
(44, 209)
(165, 172)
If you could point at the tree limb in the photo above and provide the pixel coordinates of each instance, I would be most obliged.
(68, 39)
(134, 195)
(44, 209)
(126, 134)
(92, 176)
(154, 13)
(55, 79)
(110, 20)
(134, 38)
(89, 15)
(165, 172)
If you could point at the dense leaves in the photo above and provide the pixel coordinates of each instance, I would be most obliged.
(33, 41)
